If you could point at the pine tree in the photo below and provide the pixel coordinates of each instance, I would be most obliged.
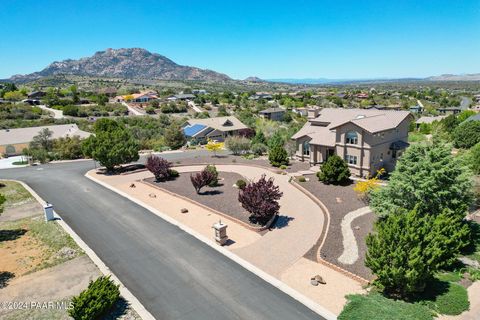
(334, 170)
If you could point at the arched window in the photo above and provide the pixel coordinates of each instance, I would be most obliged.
(351, 137)
(306, 148)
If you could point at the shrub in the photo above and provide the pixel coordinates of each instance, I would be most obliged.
(283, 167)
(474, 158)
(173, 173)
(213, 170)
(241, 184)
(374, 306)
(334, 170)
(408, 248)
(365, 188)
(447, 298)
(150, 110)
(174, 137)
(97, 299)
(201, 179)
(238, 145)
(159, 166)
(278, 156)
(302, 179)
(260, 199)
(467, 134)
(259, 149)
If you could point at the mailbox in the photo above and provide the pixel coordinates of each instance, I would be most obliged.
(220, 233)
(48, 210)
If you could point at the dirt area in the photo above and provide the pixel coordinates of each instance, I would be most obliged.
(340, 200)
(25, 210)
(294, 165)
(223, 198)
(330, 295)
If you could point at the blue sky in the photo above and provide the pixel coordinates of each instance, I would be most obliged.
(269, 39)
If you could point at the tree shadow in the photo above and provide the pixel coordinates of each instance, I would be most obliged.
(9, 235)
(5, 277)
(433, 290)
(281, 222)
(210, 192)
(118, 310)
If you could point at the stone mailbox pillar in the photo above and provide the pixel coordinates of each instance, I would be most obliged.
(220, 232)
(48, 210)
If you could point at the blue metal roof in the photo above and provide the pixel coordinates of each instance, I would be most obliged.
(190, 131)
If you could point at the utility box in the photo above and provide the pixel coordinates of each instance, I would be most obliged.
(220, 233)
(48, 210)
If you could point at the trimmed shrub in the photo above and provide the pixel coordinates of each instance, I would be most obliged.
(283, 167)
(241, 184)
(173, 173)
(96, 300)
(238, 145)
(259, 149)
(302, 179)
(278, 156)
(213, 170)
(334, 170)
(201, 179)
(159, 166)
(261, 200)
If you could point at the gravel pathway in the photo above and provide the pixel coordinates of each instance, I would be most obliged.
(350, 246)
(341, 200)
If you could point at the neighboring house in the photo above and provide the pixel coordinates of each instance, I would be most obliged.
(36, 95)
(259, 96)
(427, 120)
(142, 97)
(416, 109)
(362, 95)
(450, 110)
(274, 114)
(13, 141)
(367, 139)
(182, 96)
(217, 128)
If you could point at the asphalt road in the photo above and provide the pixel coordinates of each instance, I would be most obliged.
(173, 275)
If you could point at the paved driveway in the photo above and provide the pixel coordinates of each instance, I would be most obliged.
(174, 275)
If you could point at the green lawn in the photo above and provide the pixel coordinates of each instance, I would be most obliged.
(374, 306)
(15, 193)
(20, 163)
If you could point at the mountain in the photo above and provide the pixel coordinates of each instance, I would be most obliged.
(456, 77)
(253, 79)
(131, 63)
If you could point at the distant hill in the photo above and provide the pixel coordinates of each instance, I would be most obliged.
(456, 77)
(131, 63)
(253, 79)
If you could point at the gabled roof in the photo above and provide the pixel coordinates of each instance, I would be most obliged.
(192, 130)
(321, 130)
(229, 123)
(25, 135)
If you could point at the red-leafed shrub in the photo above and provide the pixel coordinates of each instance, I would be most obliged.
(159, 166)
(202, 179)
(260, 199)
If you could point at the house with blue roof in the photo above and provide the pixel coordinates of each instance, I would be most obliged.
(218, 128)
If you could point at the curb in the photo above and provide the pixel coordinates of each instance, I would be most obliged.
(245, 264)
(134, 302)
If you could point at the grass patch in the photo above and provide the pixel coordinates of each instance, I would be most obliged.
(15, 194)
(49, 234)
(415, 137)
(19, 163)
(374, 306)
(445, 297)
(449, 276)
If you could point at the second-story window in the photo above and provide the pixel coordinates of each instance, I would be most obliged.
(351, 137)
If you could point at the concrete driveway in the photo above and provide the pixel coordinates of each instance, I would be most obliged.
(172, 274)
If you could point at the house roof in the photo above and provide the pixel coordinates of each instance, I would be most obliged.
(321, 129)
(192, 130)
(229, 123)
(272, 110)
(185, 96)
(25, 135)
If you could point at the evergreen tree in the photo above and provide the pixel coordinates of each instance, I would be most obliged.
(334, 170)
(430, 176)
(467, 134)
(174, 137)
(278, 156)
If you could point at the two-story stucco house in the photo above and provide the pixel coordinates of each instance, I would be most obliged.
(367, 139)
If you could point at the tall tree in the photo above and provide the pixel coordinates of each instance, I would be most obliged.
(174, 137)
(111, 145)
(430, 176)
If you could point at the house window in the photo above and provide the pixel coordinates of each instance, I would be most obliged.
(351, 137)
(351, 159)
(306, 148)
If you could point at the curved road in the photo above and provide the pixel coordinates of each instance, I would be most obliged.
(174, 275)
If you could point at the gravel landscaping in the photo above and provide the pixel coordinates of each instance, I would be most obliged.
(340, 200)
(294, 165)
(223, 198)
